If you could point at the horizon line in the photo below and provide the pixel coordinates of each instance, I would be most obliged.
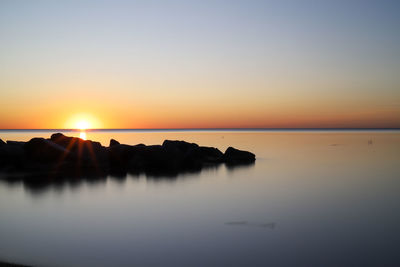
(200, 129)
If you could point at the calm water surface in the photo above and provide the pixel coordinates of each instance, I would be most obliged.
(313, 198)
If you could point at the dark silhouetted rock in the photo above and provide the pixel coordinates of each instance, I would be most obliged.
(83, 154)
(211, 154)
(180, 145)
(15, 143)
(12, 156)
(114, 142)
(2, 143)
(73, 143)
(233, 155)
(43, 150)
(155, 158)
(194, 156)
(120, 155)
(62, 156)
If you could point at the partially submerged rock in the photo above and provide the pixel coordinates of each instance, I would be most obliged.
(233, 155)
(72, 155)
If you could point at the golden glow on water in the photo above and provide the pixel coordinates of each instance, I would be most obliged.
(82, 135)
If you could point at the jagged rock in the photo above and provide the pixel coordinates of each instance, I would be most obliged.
(62, 155)
(85, 153)
(43, 150)
(113, 142)
(73, 143)
(233, 155)
(2, 143)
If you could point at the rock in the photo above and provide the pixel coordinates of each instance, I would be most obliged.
(15, 143)
(43, 150)
(155, 158)
(194, 156)
(2, 143)
(86, 153)
(113, 142)
(12, 156)
(70, 143)
(119, 156)
(194, 153)
(57, 136)
(74, 143)
(63, 156)
(180, 145)
(211, 154)
(233, 155)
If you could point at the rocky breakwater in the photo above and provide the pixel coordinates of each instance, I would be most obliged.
(63, 155)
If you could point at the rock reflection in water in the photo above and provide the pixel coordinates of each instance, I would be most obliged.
(37, 183)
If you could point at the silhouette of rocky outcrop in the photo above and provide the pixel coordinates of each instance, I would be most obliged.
(234, 156)
(113, 142)
(61, 156)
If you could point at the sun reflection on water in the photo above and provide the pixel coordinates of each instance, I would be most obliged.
(82, 135)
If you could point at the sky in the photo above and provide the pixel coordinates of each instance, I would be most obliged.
(200, 64)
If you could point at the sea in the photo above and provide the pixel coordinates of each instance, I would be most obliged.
(312, 198)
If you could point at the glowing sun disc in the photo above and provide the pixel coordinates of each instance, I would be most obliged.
(82, 125)
(82, 122)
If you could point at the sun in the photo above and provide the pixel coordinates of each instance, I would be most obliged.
(82, 125)
(82, 122)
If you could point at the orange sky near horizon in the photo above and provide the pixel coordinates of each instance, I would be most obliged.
(120, 114)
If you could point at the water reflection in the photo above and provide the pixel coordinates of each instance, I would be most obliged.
(82, 135)
(242, 165)
(37, 183)
(305, 202)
